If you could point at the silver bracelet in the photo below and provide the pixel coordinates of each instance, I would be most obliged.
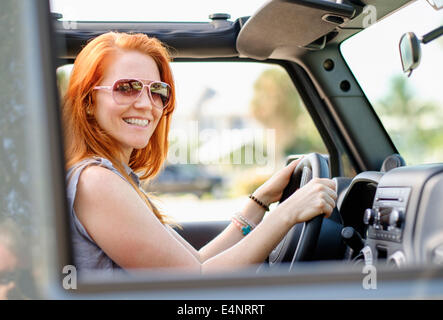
(245, 221)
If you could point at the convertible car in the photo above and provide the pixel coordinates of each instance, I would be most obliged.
(366, 79)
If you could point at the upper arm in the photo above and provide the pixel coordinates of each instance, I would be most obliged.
(123, 226)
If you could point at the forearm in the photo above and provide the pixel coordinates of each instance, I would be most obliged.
(252, 249)
(231, 235)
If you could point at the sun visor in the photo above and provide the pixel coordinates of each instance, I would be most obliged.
(290, 25)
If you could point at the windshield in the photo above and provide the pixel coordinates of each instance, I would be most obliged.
(411, 109)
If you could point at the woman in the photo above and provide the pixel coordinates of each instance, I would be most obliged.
(117, 114)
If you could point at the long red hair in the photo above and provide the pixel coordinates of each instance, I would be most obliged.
(83, 136)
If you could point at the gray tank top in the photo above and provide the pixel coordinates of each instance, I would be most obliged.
(87, 254)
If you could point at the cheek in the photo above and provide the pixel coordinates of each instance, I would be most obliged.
(106, 112)
(158, 121)
(158, 114)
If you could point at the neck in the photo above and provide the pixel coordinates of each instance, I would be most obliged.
(125, 155)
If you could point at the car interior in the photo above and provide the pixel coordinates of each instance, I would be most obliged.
(388, 212)
(389, 182)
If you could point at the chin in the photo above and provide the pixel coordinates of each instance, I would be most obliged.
(140, 145)
(135, 143)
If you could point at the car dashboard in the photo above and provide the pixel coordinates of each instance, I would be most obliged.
(395, 217)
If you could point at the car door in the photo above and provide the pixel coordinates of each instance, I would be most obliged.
(30, 153)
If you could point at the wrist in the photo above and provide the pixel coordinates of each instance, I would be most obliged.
(290, 213)
(263, 197)
(286, 218)
(259, 203)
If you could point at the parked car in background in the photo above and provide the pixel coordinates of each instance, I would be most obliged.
(185, 178)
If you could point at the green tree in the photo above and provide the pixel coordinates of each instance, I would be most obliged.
(277, 105)
(415, 126)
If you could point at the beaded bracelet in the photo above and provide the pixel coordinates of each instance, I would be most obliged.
(261, 204)
(244, 228)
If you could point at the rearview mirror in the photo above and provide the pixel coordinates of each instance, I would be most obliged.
(410, 52)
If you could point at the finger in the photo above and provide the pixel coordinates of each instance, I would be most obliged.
(325, 198)
(322, 185)
(328, 182)
(290, 167)
(328, 210)
(295, 162)
(330, 201)
(331, 193)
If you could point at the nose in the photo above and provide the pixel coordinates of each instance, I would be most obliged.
(143, 101)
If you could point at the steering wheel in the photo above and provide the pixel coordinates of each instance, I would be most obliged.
(300, 242)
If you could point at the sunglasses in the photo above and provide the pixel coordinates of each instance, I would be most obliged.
(127, 91)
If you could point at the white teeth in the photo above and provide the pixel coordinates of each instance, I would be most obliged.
(138, 122)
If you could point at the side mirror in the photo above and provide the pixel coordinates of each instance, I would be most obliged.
(410, 52)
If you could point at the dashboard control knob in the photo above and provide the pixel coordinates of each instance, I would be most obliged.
(384, 218)
(369, 216)
(396, 219)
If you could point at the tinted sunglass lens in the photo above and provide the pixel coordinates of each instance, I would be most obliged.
(125, 91)
(136, 85)
(160, 93)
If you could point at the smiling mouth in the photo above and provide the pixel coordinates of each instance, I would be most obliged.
(137, 122)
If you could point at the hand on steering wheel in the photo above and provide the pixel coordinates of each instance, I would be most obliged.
(272, 190)
(315, 194)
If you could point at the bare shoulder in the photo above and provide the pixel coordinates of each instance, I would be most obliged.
(99, 186)
(97, 174)
(96, 178)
